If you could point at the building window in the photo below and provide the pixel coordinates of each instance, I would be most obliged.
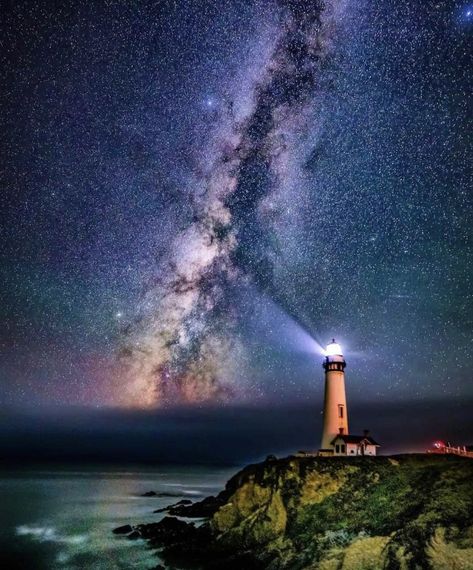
(352, 451)
(342, 448)
(337, 449)
(340, 411)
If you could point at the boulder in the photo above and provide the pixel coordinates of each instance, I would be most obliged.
(203, 509)
(167, 531)
(125, 529)
(169, 507)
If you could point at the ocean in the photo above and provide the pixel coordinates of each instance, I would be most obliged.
(63, 518)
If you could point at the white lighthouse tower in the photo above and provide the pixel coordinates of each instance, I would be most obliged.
(335, 402)
(336, 440)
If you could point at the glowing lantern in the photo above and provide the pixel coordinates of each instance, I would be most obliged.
(333, 349)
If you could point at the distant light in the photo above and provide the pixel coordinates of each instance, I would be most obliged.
(119, 315)
(333, 349)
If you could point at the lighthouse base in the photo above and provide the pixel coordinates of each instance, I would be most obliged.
(325, 453)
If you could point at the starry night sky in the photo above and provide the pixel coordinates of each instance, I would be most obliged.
(197, 195)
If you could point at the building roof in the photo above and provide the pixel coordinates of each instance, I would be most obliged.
(355, 439)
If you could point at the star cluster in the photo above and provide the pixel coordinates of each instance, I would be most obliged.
(194, 192)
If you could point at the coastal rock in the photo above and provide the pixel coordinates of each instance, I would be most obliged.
(203, 509)
(405, 512)
(170, 507)
(125, 529)
(169, 494)
(167, 531)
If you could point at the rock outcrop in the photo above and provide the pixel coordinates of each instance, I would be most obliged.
(403, 512)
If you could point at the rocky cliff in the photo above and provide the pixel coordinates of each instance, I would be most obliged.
(403, 512)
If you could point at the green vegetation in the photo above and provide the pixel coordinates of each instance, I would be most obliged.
(404, 512)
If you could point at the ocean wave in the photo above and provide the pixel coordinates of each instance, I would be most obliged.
(49, 534)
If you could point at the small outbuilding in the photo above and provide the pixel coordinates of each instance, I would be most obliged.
(351, 445)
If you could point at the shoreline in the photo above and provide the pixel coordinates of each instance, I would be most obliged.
(295, 512)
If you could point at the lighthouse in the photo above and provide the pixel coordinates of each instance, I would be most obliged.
(335, 401)
(336, 440)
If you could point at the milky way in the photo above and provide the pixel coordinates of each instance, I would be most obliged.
(184, 349)
(196, 195)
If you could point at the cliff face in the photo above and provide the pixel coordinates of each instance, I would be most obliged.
(336, 513)
(404, 512)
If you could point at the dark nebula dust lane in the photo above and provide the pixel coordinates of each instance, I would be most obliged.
(197, 196)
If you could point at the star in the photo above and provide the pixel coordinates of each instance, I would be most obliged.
(210, 103)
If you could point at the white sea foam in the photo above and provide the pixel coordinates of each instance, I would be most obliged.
(41, 533)
(49, 534)
(62, 557)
